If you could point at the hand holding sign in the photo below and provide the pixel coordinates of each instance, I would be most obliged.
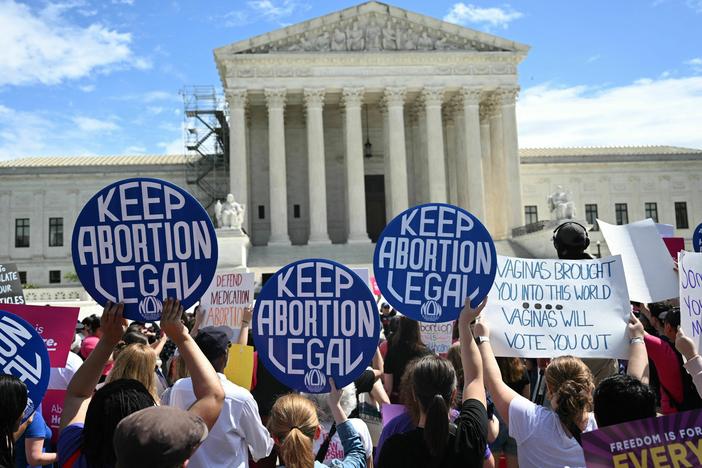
(685, 345)
(171, 324)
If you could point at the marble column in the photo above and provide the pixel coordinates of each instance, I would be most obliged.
(314, 103)
(352, 99)
(487, 166)
(507, 99)
(451, 136)
(394, 100)
(470, 165)
(7, 227)
(433, 98)
(238, 159)
(275, 99)
(500, 184)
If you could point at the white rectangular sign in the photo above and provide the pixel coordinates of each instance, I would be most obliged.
(547, 308)
(437, 336)
(690, 267)
(224, 302)
(649, 268)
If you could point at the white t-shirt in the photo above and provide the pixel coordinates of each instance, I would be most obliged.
(541, 440)
(336, 450)
(59, 378)
(237, 431)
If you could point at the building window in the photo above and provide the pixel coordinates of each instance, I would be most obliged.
(261, 212)
(54, 276)
(23, 277)
(651, 211)
(531, 215)
(591, 215)
(22, 232)
(55, 232)
(621, 212)
(681, 215)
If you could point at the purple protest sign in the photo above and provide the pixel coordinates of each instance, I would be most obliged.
(674, 440)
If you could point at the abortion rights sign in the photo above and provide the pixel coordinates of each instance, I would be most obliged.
(430, 258)
(10, 285)
(666, 441)
(697, 239)
(140, 241)
(690, 277)
(315, 319)
(23, 354)
(437, 336)
(546, 308)
(225, 299)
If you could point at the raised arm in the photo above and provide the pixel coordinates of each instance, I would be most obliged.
(245, 326)
(354, 453)
(83, 383)
(693, 362)
(473, 386)
(638, 357)
(501, 394)
(206, 385)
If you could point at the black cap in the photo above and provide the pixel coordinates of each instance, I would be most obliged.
(213, 342)
(671, 317)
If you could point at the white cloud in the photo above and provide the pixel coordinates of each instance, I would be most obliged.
(463, 14)
(89, 88)
(695, 5)
(174, 146)
(664, 111)
(696, 64)
(42, 46)
(593, 58)
(129, 150)
(123, 2)
(266, 10)
(89, 124)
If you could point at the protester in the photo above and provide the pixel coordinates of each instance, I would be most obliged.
(514, 374)
(693, 362)
(405, 346)
(294, 424)
(13, 393)
(239, 428)
(327, 446)
(544, 438)
(137, 362)
(623, 398)
(92, 333)
(389, 320)
(33, 447)
(88, 420)
(435, 442)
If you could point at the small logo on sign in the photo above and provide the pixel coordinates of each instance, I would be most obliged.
(315, 381)
(431, 311)
(150, 308)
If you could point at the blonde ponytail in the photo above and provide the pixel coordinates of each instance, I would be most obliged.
(293, 422)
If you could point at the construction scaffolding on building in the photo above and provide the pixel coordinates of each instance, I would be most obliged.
(206, 143)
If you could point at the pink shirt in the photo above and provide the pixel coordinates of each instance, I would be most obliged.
(668, 369)
(87, 347)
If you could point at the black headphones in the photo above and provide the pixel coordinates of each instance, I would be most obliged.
(555, 235)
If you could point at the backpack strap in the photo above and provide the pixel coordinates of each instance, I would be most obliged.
(322, 453)
(72, 459)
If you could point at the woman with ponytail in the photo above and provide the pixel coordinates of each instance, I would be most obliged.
(436, 442)
(294, 425)
(544, 438)
(13, 393)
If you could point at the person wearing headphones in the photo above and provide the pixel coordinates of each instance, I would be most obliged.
(571, 240)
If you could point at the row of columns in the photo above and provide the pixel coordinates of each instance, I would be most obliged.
(480, 150)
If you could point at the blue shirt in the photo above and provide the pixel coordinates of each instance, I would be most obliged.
(37, 429)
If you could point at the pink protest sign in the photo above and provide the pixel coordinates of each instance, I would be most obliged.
(374, 286)
(674, 245)
(56, 325)
(51, 409)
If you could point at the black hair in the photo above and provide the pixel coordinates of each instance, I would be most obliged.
(92, 323)
(672, 318)
(434, 382)
(131, 337)
(14, 400)
(623, 398)
(408, 335)
(112, 403)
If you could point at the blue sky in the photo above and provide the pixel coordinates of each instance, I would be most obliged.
(102, 76)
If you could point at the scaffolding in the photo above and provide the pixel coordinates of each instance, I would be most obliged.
(206, 143)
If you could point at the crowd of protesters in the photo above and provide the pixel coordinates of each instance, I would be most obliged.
(156, 396)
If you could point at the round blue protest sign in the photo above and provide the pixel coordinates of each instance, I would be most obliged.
(431, 257)
(315, 319)
(697, 239)
(141, 241)
(24, 355)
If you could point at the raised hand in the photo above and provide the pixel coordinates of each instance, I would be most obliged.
(634, 328)
(112, 324)
(469, 314)
(171, 323)
(685, 345)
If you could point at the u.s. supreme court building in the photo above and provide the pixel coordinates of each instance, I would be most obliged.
(337, 124)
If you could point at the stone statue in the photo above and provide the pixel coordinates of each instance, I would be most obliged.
(322, 42)
(355, 37)
(389, 37)
(408, 36)
(425, 42)
(230, 214)
(561, 205)
(338, 40)
(373, 36)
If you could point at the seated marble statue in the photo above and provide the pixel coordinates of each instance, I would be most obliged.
(230, 214)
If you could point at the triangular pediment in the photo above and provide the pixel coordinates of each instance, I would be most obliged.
(372, 27)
